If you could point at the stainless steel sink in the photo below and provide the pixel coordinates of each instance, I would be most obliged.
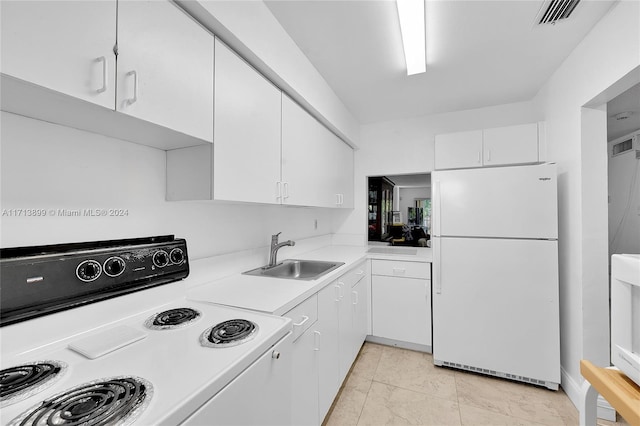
(294, 269)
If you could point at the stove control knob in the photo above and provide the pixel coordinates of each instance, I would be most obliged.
(160, 258)
(177, 256)
(275, 355)
(88, 270)
(114, 266)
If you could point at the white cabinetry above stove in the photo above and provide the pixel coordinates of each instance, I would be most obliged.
(497, 146)
(50, 73)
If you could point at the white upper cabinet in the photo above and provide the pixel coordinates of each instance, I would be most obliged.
(65, 46)
(246, 132)
(317, 167)
(458, 150)
(510, 145)
(165, 67)
(59, 65)
(489, 147)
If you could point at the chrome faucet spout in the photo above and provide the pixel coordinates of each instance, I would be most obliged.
(275, 246)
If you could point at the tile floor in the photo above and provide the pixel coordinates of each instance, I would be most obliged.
(392, 386)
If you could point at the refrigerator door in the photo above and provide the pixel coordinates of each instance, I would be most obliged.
(508, 202)
(495, 307)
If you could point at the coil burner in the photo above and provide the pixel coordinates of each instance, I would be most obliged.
(112, 401)
(22, 381)
(172, 319)
(229, 333)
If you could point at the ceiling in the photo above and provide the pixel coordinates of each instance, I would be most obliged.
(479, 53)
(411, 181)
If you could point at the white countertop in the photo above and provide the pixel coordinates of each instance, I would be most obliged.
(277, 295)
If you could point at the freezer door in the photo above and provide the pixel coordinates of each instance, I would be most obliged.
(506, 202)
(495, 306)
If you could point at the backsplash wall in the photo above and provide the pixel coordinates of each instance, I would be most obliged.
(58, 172)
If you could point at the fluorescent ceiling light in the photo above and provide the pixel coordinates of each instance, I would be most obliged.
(414, 38)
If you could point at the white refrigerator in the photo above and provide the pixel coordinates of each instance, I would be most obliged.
(495, 272)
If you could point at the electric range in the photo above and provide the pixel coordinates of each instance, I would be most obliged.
(113, 331)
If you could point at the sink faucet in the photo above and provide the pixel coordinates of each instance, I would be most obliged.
(275, 246)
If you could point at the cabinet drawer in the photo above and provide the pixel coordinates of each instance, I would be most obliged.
(351, 278)
(394, 268)
(303, 315)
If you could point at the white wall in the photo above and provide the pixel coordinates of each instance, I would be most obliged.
(51, 167)
(576, 139)
(407, 146)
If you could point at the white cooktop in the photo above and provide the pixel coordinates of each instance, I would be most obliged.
(183, 373)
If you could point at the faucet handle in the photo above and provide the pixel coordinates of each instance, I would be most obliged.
(274, 238)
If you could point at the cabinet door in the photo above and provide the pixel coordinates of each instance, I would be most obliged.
(359, 297)
(401, 309)
(458, 150)
(66, 46)
(265, 386)
(165, 67)
(306, 158)
(345, 319)
(328, 354)
(341, 172)
(511, 145)
(247, 132)
(304, 389)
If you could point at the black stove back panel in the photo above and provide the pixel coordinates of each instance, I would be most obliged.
(40, 280)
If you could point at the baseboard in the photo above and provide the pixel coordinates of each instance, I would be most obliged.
(399, 344)
(573, 391)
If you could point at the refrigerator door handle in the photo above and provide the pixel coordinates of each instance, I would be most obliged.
(438, 203)
(438, 266)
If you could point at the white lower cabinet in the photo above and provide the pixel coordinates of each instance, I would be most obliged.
(304, 381)
(326, 348)
(328, 326)
(342, 323)
(401, 301)
(264, 386)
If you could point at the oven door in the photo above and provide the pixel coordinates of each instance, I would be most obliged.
(260, 395)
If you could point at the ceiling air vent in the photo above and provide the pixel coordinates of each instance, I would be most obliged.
(556, 10)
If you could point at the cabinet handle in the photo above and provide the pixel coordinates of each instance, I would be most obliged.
(360, 272)
(286, 190)
(304, 320)
(275, 355)
(399, 271)
(479, 157)
(340, 293)
(337, 292)
(279, 192)
(488, 155)
(317, 336)
(356, 294)
(104, 74)
(135, 87)
(341, 199)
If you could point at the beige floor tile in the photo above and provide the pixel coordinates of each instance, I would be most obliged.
(390, 405)
(481, 417)
(415, 371)
(349, 402)
(367, 361)
(513, 399)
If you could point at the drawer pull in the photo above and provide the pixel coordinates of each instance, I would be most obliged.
(301, 323)
(399, 271)
(355, 293)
